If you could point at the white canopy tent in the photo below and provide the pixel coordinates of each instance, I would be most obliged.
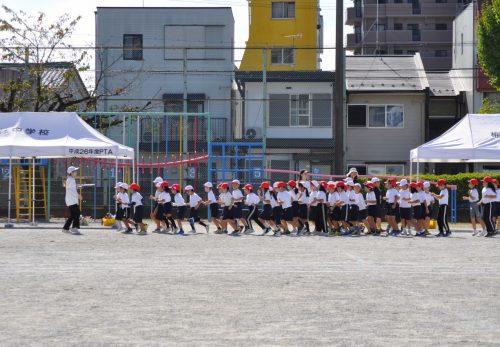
(475, 139)
(54, 135)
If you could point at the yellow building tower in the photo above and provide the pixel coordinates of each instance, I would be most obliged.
(290, 30)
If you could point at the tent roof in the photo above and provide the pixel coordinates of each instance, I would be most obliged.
(476, 138)
(55, 135)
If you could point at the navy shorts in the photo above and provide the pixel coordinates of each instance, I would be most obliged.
(373, 211)
(138, 210)
(496, 211)
(390, 210)
(295, 209)
(267, 212)
(429, 214)
(238, 210)
(303, 211)
(167, 208)
(277, 212)
(159, 212)
(120, 213)
(336, 214)
(362, 214)
(181, 212)
(353, 213)
(416, 212)
(405, 213)
(287, 214)
(227, 213)
(214, 210)
(313, 211)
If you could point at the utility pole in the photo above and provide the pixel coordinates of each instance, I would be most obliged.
(338, 91)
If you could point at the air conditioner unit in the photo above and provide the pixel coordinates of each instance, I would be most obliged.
(253, 133)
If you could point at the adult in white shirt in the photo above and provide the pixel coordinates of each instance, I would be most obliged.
(443, 199)
(72, 199)
(488, 198)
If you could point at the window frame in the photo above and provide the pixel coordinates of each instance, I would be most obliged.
(283, 4)
(385, 165)
(298, 108)
(132, 50)
(367, 106)
(282, 56)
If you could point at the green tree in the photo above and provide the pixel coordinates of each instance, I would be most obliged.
(489, 107)
(41, 70)
(488, 47)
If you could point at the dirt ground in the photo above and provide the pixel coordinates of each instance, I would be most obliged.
(104, 288)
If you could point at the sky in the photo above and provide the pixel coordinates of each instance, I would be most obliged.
(85, 32)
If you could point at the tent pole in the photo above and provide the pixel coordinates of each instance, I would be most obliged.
(116, 171)
(133, 169)
(9, 225)
(418, 168)
(33, 193)
(411, 167)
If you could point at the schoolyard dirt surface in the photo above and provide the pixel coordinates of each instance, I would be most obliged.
(105, 288)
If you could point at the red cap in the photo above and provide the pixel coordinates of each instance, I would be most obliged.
(248, 186)
(392, 181)
(323, 184)
(134, 186)
(164, 184)
(420, 184)
(281, 184)
(176, 187)
(488, 179)
(413, 185)
(265, 185)
(474, 181)
(441, 182)
(292, 183)
(331, 186)
(224, 185)
(340, 184)
(370, 184)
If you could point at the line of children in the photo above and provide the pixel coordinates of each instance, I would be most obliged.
(335, 208)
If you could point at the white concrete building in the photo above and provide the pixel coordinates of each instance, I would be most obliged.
(156, 53)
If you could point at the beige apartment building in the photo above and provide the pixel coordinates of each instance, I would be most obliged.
(397, 27)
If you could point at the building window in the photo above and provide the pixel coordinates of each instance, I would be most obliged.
(356, 116)
(282, 56)
(385, 169)
(378, 27)
(441, 1)
(441, 26)
(398, 1)
(283, 10)
(398, 51)
(415, 32)
(398, 26)
(441, 53)
(375, 116)
(411, 52)
(300, 110)
(357, 7)
(132, 47)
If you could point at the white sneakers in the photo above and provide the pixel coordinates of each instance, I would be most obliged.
(72, 231)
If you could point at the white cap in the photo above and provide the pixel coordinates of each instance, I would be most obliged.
(350, 183)
(235, 182)
(188, 188)
(71, 169)
(357, 185)
(427, 184)
(124, 185)
(118, 185)
(315, 183)
(208, 184)
(403, 182)
(158, 185)
(375, 179)
(158, 180)
(351, 170)
(275, 185)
